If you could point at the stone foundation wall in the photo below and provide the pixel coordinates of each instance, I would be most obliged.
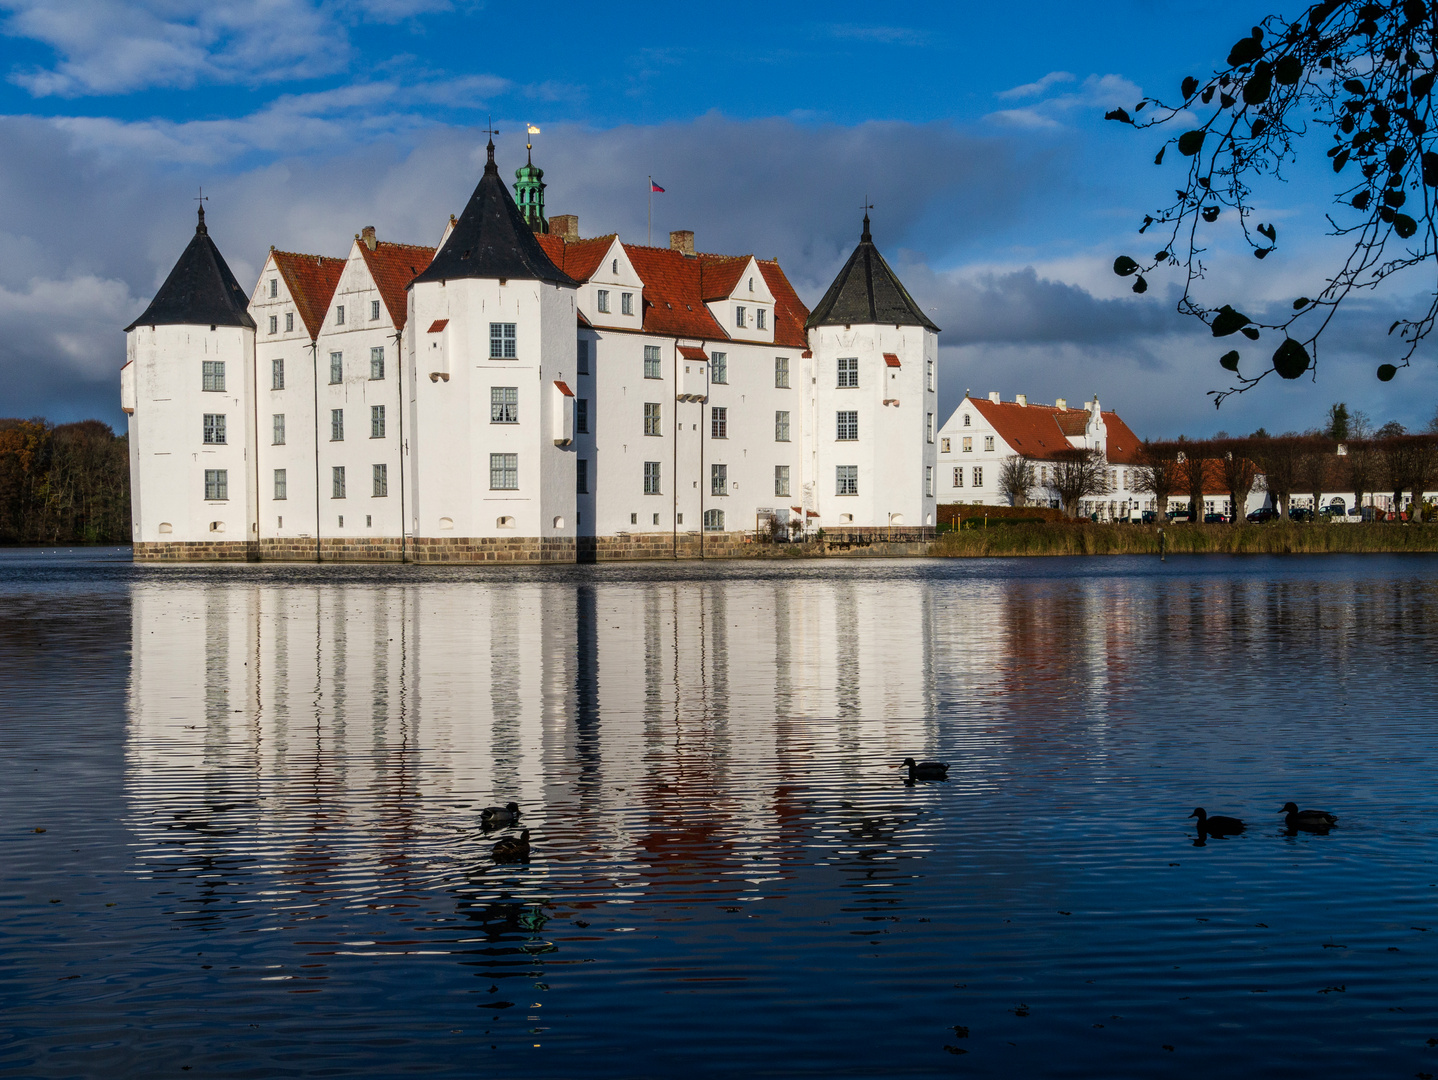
(195, 551)
(492, 549)
(331, 549)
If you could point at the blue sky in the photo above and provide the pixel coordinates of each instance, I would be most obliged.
(976, 130)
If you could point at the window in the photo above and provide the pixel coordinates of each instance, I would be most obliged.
(988, 442)
(966, 419)
(978, 476)
(217, 485)
(929, 373)
(337, 482)
(738, 314)
(713, 520)
(602, 296)
(277, 374)
(944, 445)
(339, 314)
(959, 477)
(376, 362)
(376, 421)
(584, 358)
(337, 368)
(337, 425)
(718, 479)
(501, 341)
(277, 436)
(581, 476)
(581, 415)
(848, 426)
(718, 422)
(761, 318)
(781, 372)
(614, 266)
(652, 418)
(282, 485)
(846, 479)
(968, 444)
(719, 367)
(504, 404)
(381, 481)
(215, 428)
(634, 519)
(929, 427)
(651, 362)
(929, 480)
(848, 371)
(651, 478)
(781, 425)
(504, 472)
(373, 310)
(212, 375)
(274, 287)
(781, 481)
(274, 324)
(626, 303)
(289, 321)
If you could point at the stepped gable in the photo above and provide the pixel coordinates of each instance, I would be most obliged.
(312, 281)
(393, 267)
(200, 290)
(492, 240)
(868, 291)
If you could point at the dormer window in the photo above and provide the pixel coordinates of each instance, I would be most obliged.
(603, 301)
(761, 318)
(626, 303)
(739, 315)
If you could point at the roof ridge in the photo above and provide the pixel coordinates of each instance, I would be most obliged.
(308, 255)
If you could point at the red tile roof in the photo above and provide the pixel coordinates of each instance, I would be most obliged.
(689, 352)
(311, 280)
(577, 258)
(1040, 431)
(890, 360)
(393, 267)
(790, 314)
(563, 388)
(719, 275)
(438, 325)
(672, 301)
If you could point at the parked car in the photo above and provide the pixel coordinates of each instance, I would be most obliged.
(1215, 519)
(1175, 514)
(1262, 515)
(1300, 513)
(1150, 516)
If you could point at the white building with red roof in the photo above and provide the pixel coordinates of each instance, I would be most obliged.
(520, 393)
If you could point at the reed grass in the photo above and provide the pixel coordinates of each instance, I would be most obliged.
(1277, 538)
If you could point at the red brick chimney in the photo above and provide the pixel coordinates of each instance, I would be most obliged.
(682, 241)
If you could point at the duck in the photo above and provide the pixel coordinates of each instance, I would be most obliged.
(1217, 824)
(512, 848)
(926, 770)
(492, 816)
(1307, 819)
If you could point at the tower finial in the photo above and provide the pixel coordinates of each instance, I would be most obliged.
(489, 165)
(200, 229)
(864, 237)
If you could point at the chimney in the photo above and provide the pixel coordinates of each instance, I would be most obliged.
(682, 241)
(1021, 399)
(564, 226)
(1061, 403)
(994, 396)
(367, 235)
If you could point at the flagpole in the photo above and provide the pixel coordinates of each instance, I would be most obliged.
(650, 240)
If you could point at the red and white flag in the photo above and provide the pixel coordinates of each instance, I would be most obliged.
(654, 187)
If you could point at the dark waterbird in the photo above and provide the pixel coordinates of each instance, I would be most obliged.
(493, 816)
(1217, 824)
(512, 848)
(1317, 820)
(925, 770)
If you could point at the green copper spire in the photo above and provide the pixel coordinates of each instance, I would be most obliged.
(529, 193)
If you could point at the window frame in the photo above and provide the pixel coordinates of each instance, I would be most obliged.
(718, 421)
(739, 315)
(626, 303)
(653, 475)
(714, 520)
(376, 363)
(978, 476)
(339, 314)
(781, 373)
(719, 368)
(581, 416)
(289, 322)
(277, 429)
(582, 355)
(212, 376)
(781, 425)
(504, 405)
(277, 373)
(338, 482)
(274, 324)
(781, 482)
(379, 481)
(846, 481)
(601, 301)
(214, 429)
(374, 311)
(581, 476)
(846, 373)
(337, 425)
(652, 362)
(217, 485)
(376, 422)
(337, 367)
(504, 467)
(761, 318)
(846, 425)
(281, 485)
(505, 335)
(718, 479)
(653, 419)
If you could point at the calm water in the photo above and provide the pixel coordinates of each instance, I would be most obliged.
(259, 792)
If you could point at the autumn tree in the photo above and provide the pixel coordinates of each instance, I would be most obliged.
(1017, 477)
(1157, 473)
(1279, 458)
(1349, 79)
(1078, 474)
(1194, 473)
(1238, 472)
(1316, 468)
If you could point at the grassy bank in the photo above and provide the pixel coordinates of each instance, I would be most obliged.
(1084, 538)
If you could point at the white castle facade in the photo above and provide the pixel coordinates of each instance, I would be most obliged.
(521, 394)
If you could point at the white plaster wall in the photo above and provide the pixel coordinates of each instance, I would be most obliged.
(168, 453)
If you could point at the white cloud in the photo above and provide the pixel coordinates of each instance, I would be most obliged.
(881, 35)
(1094, 95)
(1033, 89)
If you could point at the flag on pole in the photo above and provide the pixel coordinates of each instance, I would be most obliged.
(654, 187)
(533, 129)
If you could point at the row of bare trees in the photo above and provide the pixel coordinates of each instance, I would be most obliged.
(63, 484)
(1073, 476)
(1309, 465)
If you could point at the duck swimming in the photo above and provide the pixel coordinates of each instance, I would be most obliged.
(1218, 824)
(926, 770)
(512, 848)
(492, 816)
(1307, 819)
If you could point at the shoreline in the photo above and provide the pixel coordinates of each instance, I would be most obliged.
(1286, 538)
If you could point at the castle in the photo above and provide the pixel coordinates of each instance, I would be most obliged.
(471, 402)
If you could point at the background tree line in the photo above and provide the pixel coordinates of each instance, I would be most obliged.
(63, 483)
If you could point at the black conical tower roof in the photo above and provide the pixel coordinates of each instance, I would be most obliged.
(492, 240)
(200, 290)
(868, 291)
